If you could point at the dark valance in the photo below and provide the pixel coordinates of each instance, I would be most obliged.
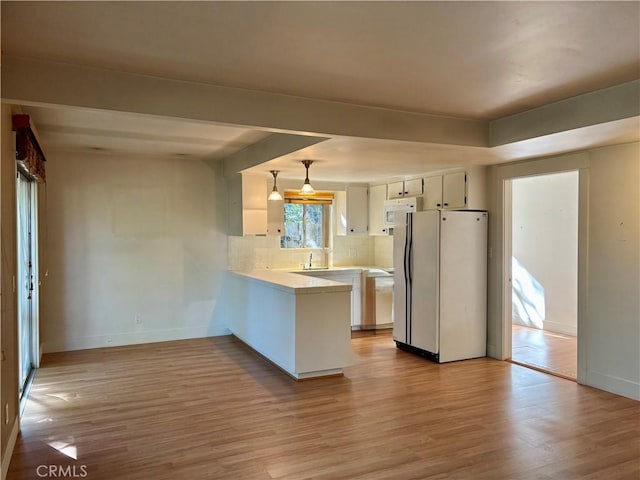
(29, 154)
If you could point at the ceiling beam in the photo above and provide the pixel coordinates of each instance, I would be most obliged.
(39, 82)
(601, 106)
(273, 146)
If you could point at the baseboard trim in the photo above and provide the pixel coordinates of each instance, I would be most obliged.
(8, 452)
(561, 328)
(134, 338)
(609, 383)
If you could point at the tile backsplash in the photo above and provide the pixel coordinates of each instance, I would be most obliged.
(246, 253)
(383, 251)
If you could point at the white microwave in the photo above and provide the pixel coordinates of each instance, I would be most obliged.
(400, 205)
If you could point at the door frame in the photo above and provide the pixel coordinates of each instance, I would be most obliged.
(505, 175)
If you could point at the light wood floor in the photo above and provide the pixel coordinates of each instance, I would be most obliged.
(211, 408)
(548, 351)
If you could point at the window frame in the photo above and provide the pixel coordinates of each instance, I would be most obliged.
(319, 198)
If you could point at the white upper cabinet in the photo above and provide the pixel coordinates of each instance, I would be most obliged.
(413, 188)
(377, 197)
(432, 193)
(457, 190)
(454, 190)
(275, 217)
(446, 191)
(357, 210)
(247, 204)
(408, 188)
(395, 190)
(340, 213)
(351, 211)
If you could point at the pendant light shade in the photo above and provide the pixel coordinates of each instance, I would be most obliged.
(307, 189)
(275, 194)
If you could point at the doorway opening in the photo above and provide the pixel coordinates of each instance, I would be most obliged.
(27, 288)
(544, 272)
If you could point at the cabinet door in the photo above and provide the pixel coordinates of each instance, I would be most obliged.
(454, 190)
(254, 204)
(413, 188)
(357, 210)
(275, 217)
(395, 190)
(432, 193)
(340, 213)
(356, 300)
(356, 289)
(377, 196)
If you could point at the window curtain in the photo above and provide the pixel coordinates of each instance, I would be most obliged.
(324, 198)
(29, 154)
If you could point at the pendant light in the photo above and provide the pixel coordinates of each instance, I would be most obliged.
(275, 194)
(307, 189)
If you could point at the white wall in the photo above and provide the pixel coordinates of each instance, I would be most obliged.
(8, 273)
(545, 248)
(127, 238)
(608, 263)
(613, 319)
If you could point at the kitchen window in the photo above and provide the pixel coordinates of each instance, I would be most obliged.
(306, 220)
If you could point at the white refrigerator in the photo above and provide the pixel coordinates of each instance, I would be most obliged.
(440, 283)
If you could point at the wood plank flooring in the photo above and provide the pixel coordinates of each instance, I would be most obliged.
(548, 351)
(213, 409)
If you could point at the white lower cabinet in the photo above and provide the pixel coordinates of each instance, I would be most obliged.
(352, 276)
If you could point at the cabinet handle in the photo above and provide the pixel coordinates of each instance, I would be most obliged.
(351, 230)
(438, 205)
(446, 204)
(384, 229)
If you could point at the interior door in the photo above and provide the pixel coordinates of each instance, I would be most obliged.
(26, 281)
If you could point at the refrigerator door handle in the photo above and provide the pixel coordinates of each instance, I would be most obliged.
(407, 281)
(410, 254)
(406, 245)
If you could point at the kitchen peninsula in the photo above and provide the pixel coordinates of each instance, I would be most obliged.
(302, 324)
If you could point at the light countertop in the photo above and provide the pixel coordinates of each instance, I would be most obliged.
(293, 282)
(335, 269)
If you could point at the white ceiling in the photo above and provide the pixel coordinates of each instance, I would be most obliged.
(479, 60)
